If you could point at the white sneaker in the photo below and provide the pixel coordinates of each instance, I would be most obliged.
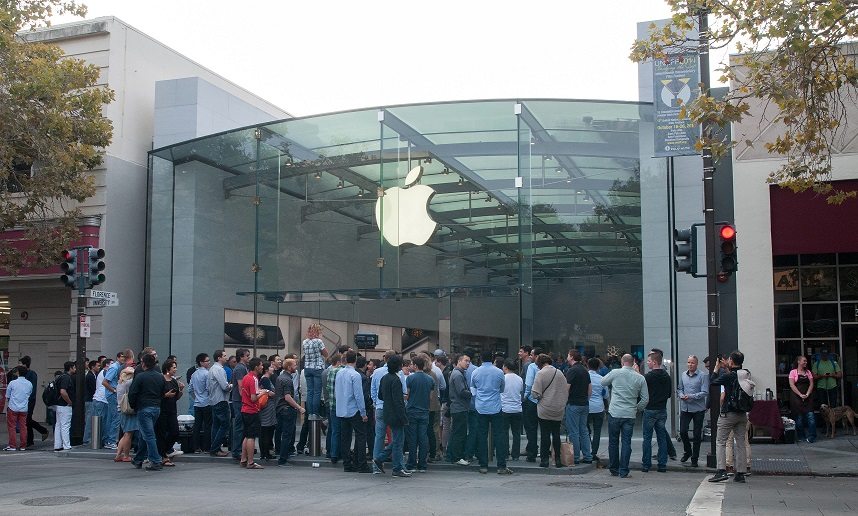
(9, 448)
(109, 446)
(175, 453)
(463, 462)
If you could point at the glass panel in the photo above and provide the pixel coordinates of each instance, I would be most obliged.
(818, 284)
(820, 320)
(787, 260)
(787, 323)
(848, 258)
(786, 285)
(848, 283)
(786, 352)
(818, 259)
(849, 312)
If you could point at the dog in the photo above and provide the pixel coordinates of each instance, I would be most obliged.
(832, 415)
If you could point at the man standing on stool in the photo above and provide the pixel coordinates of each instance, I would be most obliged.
(693, 391)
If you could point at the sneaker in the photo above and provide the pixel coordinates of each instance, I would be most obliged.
(154, 467)
(720, 476)
(22, 449)
(740, 477)
(484, 470)
(402, 474)
(463, 462)
(10, 448)
(176, 453)
(504, 471)
(379, 465)
(421, 470)
(110, 446)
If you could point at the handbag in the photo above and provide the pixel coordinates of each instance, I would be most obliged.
(262, 400)
(125, 405)
(567, 453)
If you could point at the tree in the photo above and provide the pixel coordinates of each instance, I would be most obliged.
(52, 132)
(794, 57)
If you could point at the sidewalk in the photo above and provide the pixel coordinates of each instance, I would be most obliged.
(826, 457)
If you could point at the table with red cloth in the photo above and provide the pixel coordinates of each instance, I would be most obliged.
(767, 413)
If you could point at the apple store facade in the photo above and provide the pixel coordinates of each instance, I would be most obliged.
(483, 224)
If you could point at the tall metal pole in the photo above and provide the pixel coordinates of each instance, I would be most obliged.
(78, 405)
(712, 315)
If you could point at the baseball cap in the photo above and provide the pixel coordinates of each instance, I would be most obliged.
(439, 353)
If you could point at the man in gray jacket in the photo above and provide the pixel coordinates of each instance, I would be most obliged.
(460, 403)
(692, 392)
(219, 388)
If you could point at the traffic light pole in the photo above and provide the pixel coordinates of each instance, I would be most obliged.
(78, 410)
(712, 304)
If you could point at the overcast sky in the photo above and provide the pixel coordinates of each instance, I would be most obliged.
(317, 56)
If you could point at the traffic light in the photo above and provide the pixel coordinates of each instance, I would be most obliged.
(96, 266)
(685, 250)
(729, 262)
(69, 268)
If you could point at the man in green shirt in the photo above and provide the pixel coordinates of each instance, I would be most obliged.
(826, 372)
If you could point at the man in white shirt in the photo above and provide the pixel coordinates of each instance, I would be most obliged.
(17, 400)
(511, 405)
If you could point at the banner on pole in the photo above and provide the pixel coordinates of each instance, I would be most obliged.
(675, 84)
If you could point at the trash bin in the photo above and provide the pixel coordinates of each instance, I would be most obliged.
(315, 444)
(95, 435)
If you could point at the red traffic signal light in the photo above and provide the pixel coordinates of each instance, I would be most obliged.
(729, 261)
(728, 232)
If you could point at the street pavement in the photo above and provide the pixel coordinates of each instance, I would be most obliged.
(797, 478)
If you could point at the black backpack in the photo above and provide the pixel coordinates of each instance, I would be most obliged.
(739, 401)
(51, 394)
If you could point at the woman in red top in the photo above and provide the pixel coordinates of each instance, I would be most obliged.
(250, 393)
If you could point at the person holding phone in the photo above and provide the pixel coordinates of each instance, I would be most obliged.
(168, 423)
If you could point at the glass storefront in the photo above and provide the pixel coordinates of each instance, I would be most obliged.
(486, 224)
(816, 308)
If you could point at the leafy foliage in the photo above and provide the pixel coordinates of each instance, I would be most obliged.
(52, 133)
(794, 58)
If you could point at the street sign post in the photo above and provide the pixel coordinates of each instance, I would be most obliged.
(85, 326)
(101, 294)
(97, 302)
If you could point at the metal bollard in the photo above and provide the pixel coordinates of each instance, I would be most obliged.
(315, 443)
(95, 435)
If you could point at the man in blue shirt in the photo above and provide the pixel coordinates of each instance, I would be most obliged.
(487, 383)
(528, 407)
(202, 408)
(420, 386)
(111, 380)
(351, 411)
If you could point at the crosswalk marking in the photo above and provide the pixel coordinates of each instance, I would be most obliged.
(707, 499)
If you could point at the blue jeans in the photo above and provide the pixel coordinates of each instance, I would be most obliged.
(190, 405)
(471, 442)
(805, 426)
(398, 440)
(619, 464)
(286, 419)
(147, 446)
(314, 390)
(499, 437)
(576, 427)
(87, 428)
(237, 429)
(418, 439)
(654, 419)
(333, 437)
(379, 452)
(111, 425)
(220, 424)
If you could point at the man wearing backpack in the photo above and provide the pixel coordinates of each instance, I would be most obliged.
(736, 403)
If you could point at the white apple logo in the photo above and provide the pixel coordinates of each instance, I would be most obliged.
(402, 214)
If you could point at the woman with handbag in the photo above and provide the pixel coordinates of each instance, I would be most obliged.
(127, 416)
(801, 400)
(551, 392)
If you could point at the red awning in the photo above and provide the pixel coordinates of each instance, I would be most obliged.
(806, 224)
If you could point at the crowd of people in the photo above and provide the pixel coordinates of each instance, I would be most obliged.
(409, 411)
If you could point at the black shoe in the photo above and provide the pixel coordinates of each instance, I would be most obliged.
(740, 477)
(138, 465)
(586, 462)
(685, 457)
(378, 464)
(694, 464)
(673, 457)
(720, 476)
(531, 459)
(644, 470)
(55, 449)
(154, 467)
(334, 461)
(402, 474)
(662, 470)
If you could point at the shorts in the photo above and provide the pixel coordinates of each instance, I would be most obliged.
(252, 425)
